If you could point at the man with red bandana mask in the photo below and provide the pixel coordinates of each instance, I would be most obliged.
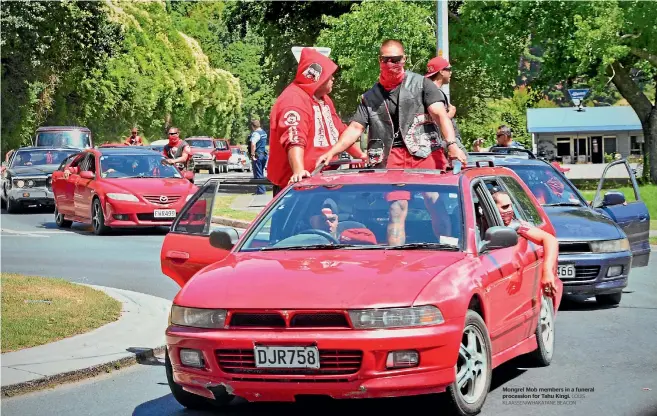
(304, 123)
(406, 114)
(177, 151)
(533, 234)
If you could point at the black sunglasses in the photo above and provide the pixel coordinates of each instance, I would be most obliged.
(393, 59)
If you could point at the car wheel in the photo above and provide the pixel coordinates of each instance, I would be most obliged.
(542, 356)
(190, 400)
(98, 218)
(13, 207)
(60, 221)
(612, 299)
(468, 392)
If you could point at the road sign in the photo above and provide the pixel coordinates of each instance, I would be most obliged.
(577, 95)
(296, 50)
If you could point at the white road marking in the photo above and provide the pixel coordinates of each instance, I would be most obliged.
(5, 232)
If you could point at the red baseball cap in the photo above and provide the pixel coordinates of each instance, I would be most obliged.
(436, 65)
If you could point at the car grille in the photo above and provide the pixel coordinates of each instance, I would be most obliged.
(298, 320)
(331, 362)
(574, 247)
(155, 199)
(584, 273)
(151, 217)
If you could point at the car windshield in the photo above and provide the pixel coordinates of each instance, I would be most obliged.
(40, 157)
(357, 217)
(235, 151)
(136, 166)
(547, 186)
(73, 138)
(200, 143)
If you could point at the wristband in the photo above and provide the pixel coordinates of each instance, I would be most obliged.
(450, 143)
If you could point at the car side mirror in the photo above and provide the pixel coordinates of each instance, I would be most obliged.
(499, 237)
(224, 238)
(87, 174)
(613, 198)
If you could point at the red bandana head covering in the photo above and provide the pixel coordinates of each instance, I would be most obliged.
(392, 75)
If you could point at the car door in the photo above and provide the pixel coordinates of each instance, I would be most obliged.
(503, 277)
(186, 248)
(631, 214)
(83, 190)
(63, 186)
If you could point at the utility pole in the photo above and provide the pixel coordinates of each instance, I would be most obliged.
(442, 36)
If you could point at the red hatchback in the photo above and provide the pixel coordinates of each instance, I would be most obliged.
(311, 300)
(118, 187)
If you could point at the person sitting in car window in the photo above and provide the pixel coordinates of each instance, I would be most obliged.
(327, 220)
(533, 234)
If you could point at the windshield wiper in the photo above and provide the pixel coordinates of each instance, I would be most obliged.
(311, 247)
(563, 204)
(410, 246)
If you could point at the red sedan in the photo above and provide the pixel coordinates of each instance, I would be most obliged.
(118, 187)
(311, 299)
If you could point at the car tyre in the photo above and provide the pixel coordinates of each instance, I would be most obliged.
(13, 207)
(473, 368)
(190, 400)
(98, 218)
(61, 221)
(545, 331)
(611, 299)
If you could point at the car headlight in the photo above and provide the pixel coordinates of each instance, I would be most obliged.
(197, 318)
(123, 197)
(189, 197)
(396, 317)
(610, 246)
(20, 183)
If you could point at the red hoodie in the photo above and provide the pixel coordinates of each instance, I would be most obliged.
(297, 119)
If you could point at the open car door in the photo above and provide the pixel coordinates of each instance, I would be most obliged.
(631, 215)
(186, 248)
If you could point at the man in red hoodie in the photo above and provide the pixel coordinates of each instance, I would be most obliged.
(304, 124)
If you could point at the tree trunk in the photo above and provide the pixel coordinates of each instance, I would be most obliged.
(650, 145)
(644, 109)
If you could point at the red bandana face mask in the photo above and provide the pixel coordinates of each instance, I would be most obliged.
(507, 217)
(173, 141)
(391, 76)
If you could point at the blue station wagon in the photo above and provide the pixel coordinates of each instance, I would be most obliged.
(599, 241)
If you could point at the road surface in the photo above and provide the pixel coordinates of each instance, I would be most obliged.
(609, 350)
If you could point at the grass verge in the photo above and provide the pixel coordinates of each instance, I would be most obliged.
(222, 208)
(653, 241)
(648, 195)
(38, 310)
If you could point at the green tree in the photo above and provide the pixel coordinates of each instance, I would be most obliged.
(602, 42)
(45, 46)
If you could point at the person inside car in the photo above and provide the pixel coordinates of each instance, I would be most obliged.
(26, 159)
(533, 234)
(347, 232)
(327, 220)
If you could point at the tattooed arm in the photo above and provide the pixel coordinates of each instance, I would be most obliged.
(397, 223)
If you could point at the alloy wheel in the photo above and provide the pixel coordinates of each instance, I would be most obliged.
(472, 366)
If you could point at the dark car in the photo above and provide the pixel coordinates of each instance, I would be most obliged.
(27, 176)
(599, 242)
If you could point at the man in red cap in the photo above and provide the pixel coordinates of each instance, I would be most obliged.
(304, 123)
(440, 72)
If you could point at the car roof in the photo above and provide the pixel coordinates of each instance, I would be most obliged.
(200, 138)
(500, 159)
(397, 176)
(135, 150)
(55, 128)
(71, 149)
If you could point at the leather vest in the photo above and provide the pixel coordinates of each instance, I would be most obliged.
(417, 129)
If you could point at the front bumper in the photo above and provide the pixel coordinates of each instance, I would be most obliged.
(203, 163)
(40, 195)
(437, 345)
(591, 273)
(124, 214)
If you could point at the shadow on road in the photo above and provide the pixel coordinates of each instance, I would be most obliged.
(31, 210)
(582, 304)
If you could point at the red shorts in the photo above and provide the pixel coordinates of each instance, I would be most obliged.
(400, 158)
